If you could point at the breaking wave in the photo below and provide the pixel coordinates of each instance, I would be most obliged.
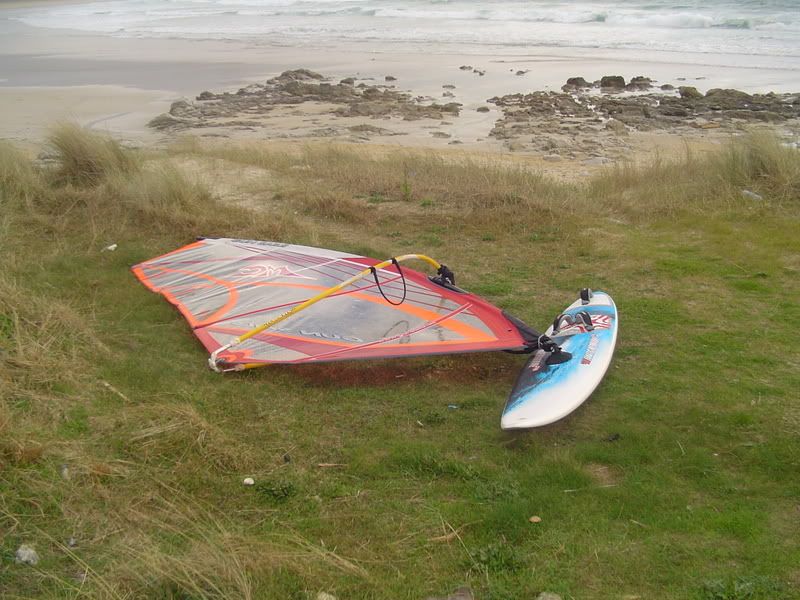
(722, 26)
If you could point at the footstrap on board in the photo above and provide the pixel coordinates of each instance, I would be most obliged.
(537, 341)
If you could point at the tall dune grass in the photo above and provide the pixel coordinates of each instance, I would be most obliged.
(762, 163)
(98, 185)
(87, 158)
(328, 178)
(335, 181)
(755, 162)
(18, 179)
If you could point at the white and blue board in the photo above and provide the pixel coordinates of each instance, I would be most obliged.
(545, 393)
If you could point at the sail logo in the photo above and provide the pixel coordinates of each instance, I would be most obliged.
(323, 335)
(269, 272)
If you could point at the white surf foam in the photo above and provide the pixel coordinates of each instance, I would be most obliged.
(693, 26)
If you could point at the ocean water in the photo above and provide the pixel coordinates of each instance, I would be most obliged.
(732, 28)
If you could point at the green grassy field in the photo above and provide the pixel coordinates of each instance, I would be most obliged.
(679, 478)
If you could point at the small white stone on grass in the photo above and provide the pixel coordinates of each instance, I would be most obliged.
(26, 555)
(751, 195)
(548, 596)
(249, 481)
(325, 596)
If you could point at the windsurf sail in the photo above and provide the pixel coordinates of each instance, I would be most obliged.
(253, 303)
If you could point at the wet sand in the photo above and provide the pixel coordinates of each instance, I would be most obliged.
(119, 84)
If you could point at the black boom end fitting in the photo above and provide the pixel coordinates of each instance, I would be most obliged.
(446, 275)
(445, 278)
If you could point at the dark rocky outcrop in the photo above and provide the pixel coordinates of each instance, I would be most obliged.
(720, 99)
(612, 82)
(366, 128)
(687, 91)
(546, 118)
(297, 75)
(575, 83)
(589, 122)
(639, 83)
(179, 107)
(165, 121)
(296, 87)
(578, 82)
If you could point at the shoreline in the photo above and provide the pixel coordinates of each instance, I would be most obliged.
(9, 4)
(120, 84)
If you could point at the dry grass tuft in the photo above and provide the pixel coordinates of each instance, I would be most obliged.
(196, 553)
(42, 339)
(168, 201)
(164, 199)
(333, 207)
(44, 343)
(343, 183)
(761, 163)
(756, 162)
(5, 418)
(121, 194)
(86, 158)
(20, 453)
(18, 179)
(603, 475)
(201, 560)
(340, 183)
(317, 553)
(180, 430)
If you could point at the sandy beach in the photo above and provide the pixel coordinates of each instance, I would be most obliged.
(118, 84)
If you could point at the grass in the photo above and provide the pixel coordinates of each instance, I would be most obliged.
(88, 160)
(335, 182)
(677, 479)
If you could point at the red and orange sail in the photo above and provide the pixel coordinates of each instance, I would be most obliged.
(227, 287)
